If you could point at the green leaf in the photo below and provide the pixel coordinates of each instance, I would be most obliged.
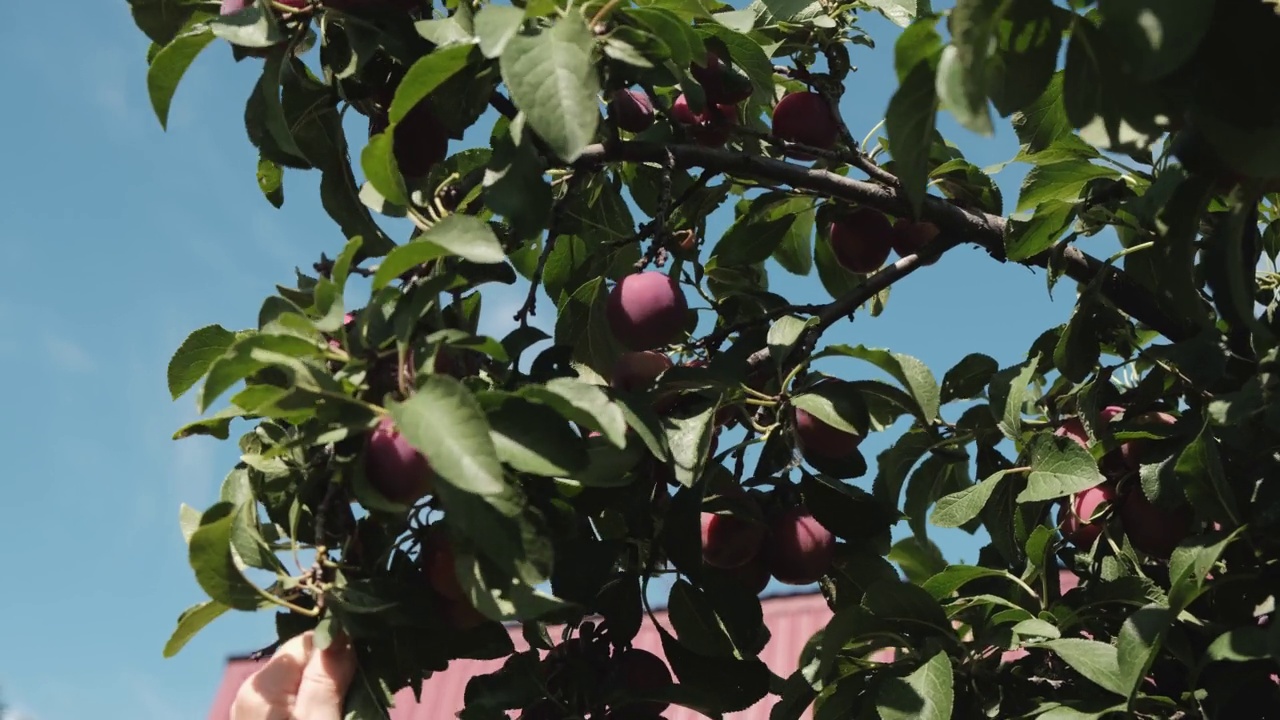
(583, 325)
(427, 74)
(894, 465)
(958, 508)
(914, 375)
(755, 235)
(1028, 37)
(747, 54)
(926, 694)
(248, 355)
(962, 69)
(1026, 238)
(379, 164)
(969, 377)
(495, 26)
(1059, 467)
(1191, 562)
(192, 359)
(533, 438)
(694, 619)
(1242, 644)
(899, 12)
(216, 569)
(1138, 643)
(553, 81)
(1010, 389)
(784, 334)
(191, 621)
(689, 441)
(251, 27)
(892, 599)
(920, 558)
(1044, 122)
(168, 67)
(678, 35)
(465, 236)
(446, 423)
(910, 123)
(1156, 36)
(1059, 181)
(1097, 661)
(582, 403)
(953, 578)
(795, 253)
(837, 404)
(162, 20)
(849, 512)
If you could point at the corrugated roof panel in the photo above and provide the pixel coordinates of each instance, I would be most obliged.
(791, 619)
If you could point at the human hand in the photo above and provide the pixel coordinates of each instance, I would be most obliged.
(298, 683)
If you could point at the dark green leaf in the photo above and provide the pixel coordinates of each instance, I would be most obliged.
(1061, 181)
(958, 508)
(554, 83)
(427, 74)
(446, 423)
(533, 438)
(1059, 467)
(216, 569)
(193, 620)
(465, 236)
(168, 67)
(926, 694)
(914, 375)
(193, 358)
(969, 377)
(909, 123)
(1097, 661)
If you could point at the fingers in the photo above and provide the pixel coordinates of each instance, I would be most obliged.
(268, 694)
(324, 682)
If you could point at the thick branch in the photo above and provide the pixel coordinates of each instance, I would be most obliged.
(983, 229)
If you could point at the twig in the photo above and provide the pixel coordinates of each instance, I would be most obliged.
(648, 229)
(530, 306)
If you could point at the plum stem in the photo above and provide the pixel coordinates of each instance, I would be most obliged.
(602, 12)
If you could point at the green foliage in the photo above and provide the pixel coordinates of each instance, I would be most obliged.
(557, 479)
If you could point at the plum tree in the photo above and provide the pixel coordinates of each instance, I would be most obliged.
(647, 310)
(1083, 516)
(806, 118)
(631, 110)
(712, 126)
(861, 239)
(676, 278)
(799, 550)
(394, 467)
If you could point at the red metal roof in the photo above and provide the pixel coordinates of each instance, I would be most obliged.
(792, 620)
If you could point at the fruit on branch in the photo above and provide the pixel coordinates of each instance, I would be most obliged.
(729, 541)
(817, 438)
(631, 110)
(1152, 529)
(861, 240)
(1130, 451)
(394, 467)
(634, 371)
(646, 310)
(710, 127)
(1081, 515)
(640, 672)
(720, 82)
(438, 563)
(800, 549)
(420, 142)
(910, 237)
(805, 118)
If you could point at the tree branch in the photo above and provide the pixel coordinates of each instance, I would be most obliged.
(961, 225)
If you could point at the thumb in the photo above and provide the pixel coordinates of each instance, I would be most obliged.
(325, 680)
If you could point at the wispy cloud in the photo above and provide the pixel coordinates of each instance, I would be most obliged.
(66, 354)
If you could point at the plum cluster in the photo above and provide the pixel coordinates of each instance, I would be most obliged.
(587, 677)
(1152, 529)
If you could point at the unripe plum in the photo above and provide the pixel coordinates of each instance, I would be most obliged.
(729, 541)
(800, 549)
(631, 110)
(720, 83)
(646, 310)
(806, 118)
(911, 237)
(1151, 528)
(823, 440)
(394, 467)
(861, 240)
(1076, 514)
(641, 673)
(638, 370)
(711, 126)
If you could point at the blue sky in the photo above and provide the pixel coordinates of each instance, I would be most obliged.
(119, 239)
